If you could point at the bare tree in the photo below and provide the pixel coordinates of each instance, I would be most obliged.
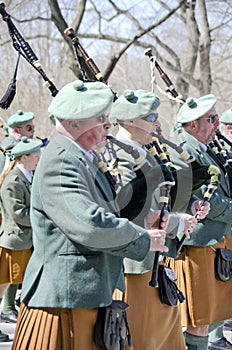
(191, 39)
(191, 67)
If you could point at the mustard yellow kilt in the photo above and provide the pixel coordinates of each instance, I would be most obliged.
(229, 241)
(55, 329)
(13, 264)
(207, 299)
(153, 326)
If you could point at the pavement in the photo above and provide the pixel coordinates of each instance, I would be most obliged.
(227, 334)
(9, 328)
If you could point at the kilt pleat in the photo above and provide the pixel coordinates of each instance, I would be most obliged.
(55, 329)
(50, 332)
(36, 327)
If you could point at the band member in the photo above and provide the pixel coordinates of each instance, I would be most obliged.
(18, 125)
(16, 235)
(205, 294)
(136, 114)
(79, 240)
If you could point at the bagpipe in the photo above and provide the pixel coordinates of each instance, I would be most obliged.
(215, 180)
(223, 139)
(200, 173)
(24, 49)
(170, 91)
(88, 68)
(164, 198)
(147, 179)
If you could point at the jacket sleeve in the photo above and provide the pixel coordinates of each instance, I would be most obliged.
(13, 200)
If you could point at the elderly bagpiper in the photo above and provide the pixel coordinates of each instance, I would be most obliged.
(79, 239)
(208, 299)
(153, 324)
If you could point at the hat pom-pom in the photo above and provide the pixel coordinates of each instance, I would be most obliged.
(129, 95)
(78, 85)
(191, 102)
(24, 139)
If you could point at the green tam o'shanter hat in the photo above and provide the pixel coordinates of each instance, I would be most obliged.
(20, 117)
(226, 117)
(81, 101)
(194, 108)
(134, 105)
(25, 146)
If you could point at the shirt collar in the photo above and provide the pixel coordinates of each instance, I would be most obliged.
(89, 155)
(203, 147)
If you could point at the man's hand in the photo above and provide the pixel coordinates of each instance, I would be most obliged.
(158, 240)
(189, 224)
(153, 219)
(202, 210)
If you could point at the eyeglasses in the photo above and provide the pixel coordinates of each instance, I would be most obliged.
(102, 118)
(28, 127)
(151, 118)
(212, 118)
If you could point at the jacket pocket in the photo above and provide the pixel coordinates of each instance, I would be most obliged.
(13, 231)
(76, 253)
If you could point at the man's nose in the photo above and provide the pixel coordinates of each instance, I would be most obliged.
(107, 124)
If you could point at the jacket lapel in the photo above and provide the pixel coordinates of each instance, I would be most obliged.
(99, 178)
(23, 178)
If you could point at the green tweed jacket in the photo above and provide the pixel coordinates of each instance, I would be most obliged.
(16, 232)
(218, 222)
(79, 244)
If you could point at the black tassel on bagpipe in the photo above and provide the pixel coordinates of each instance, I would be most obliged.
(25, 50)
(9, 95)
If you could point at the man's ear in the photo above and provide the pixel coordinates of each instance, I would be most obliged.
(193, 124)
(16, 129)
(23, 156)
